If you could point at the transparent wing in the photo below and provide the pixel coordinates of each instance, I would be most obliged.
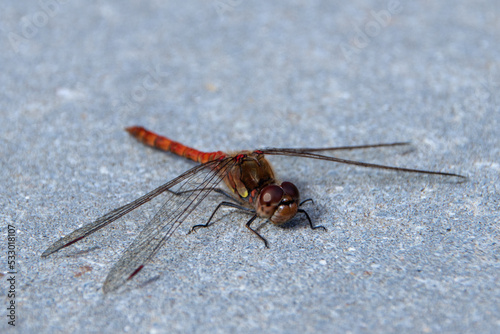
(171, 215)
(338, 148)
(111, 216)
(306, 153)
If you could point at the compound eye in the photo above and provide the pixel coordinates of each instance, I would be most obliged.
(291, 190)
(271, 195)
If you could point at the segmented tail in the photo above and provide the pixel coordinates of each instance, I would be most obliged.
(154, 140)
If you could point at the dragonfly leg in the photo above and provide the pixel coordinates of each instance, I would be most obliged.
(217, 190)
(225, 193)
(221, 204)
(306, 200)
(256, 233)
(310, 221)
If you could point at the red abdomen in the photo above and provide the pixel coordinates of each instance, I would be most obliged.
(163, 143)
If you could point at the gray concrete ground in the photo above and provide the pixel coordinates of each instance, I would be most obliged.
(403, 253)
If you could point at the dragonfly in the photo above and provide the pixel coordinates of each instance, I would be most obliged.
(250, 185)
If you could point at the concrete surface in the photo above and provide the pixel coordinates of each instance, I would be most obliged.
(403, 253)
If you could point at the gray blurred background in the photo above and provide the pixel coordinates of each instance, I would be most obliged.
(403, 253)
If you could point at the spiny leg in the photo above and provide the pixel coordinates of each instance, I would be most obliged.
(310, 221)
(225, 193)
(217, 190)
(306, 200)
(221, 204)
(256, 233)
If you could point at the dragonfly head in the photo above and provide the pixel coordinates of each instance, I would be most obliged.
(279, 204)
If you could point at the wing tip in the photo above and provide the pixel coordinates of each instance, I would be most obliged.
(47, 252)
(111, 283)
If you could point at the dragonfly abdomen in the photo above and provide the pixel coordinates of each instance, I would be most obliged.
(165, 144)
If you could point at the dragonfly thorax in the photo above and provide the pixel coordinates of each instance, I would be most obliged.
(251, 173)
(252, 179)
